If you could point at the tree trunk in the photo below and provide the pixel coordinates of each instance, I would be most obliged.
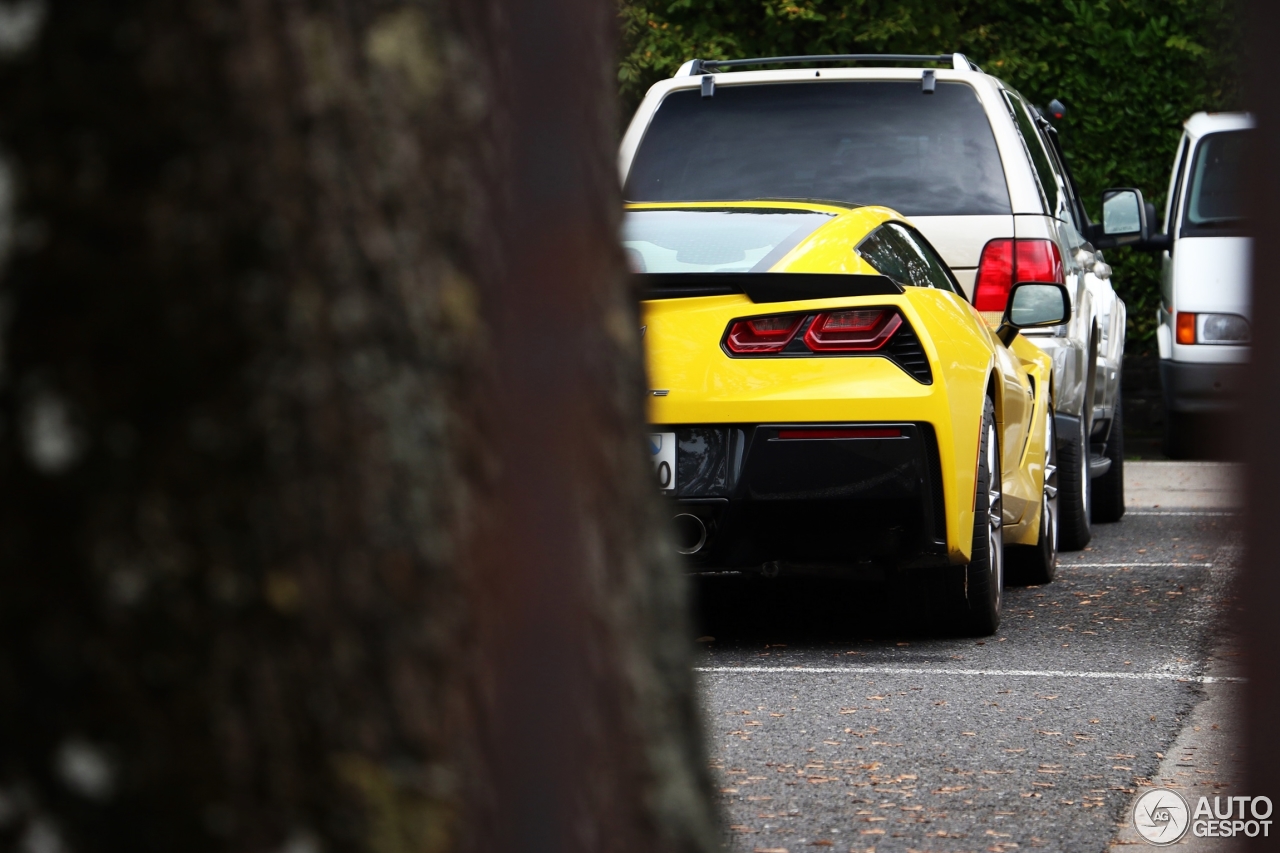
(1260, 583)
(324, 518)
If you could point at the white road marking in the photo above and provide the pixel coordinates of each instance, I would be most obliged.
(1191, 512)
(1007, 673)
(1068, 564)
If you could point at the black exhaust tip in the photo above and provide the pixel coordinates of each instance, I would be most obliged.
(691, 533)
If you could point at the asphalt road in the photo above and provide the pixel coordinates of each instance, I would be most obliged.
(836, 720)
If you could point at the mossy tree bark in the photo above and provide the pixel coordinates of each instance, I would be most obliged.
(324, 521)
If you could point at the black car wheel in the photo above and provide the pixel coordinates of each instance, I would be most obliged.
(1179, 436)
(1108, 490)
(1037, 564)
(1075, 492)
(975, 601)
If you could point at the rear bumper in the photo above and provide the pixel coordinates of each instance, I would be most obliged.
(770, 494)
(1200, 387)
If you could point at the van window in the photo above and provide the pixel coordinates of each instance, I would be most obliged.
(906, 257)
(1215, 196)
(1175, 195)
(866, 142)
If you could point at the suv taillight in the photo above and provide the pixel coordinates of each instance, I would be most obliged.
(1005, 262)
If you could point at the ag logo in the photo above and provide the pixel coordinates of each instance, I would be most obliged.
(1161, 816)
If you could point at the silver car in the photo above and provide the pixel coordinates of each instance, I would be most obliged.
(974, 165)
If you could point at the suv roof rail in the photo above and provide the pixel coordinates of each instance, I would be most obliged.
(701, 66)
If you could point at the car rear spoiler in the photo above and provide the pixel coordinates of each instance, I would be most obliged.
(765, 286)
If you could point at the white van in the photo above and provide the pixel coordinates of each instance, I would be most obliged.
(1204, 315)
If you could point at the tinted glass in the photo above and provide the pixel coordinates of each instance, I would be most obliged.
(865, 142)
(1171, 214)
(1073, 211)
(1215, 197)
(904, 256)
(1039, 159)
(658, 241)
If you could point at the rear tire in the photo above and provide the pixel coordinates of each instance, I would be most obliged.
(1178, 436)
(1038, 564)
(976, 604)
(1075, 494)
(1108, 490)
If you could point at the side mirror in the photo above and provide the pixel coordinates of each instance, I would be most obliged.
(1034, 305)
(1124, 217)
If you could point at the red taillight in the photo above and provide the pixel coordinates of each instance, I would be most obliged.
(864, 432)
(1005, 262)
(763, 334)
(852, 331)
(1186, 327)
(995, 276)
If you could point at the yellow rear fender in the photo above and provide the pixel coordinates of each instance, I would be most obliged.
(967, 369)
(1028, 483)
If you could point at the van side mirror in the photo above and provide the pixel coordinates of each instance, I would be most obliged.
(1124, 217)
(1034, 305)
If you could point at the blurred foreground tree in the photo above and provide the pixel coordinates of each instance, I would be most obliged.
(1129, 72)
(324, 519)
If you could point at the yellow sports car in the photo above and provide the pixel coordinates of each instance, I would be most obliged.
(823, 399)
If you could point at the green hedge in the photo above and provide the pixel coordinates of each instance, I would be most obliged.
(1129, 71)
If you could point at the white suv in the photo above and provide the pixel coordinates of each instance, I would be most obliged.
(968, 159)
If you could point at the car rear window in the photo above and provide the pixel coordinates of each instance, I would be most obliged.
(719, 240)
(869, 142)
(1215, 194)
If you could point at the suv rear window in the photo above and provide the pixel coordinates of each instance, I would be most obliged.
(1215, 194)
(870, 142)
